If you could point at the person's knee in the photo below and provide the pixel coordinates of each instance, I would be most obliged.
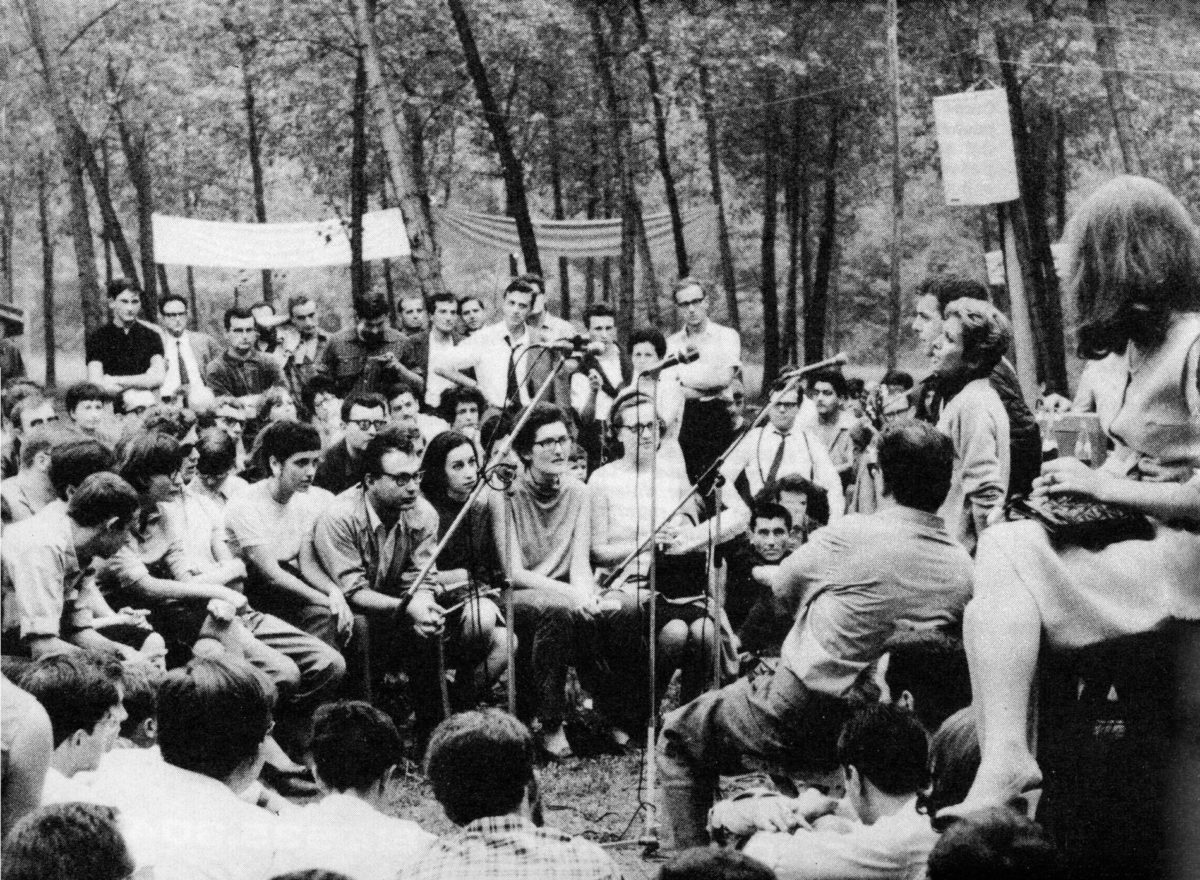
(326, 667)
(672, 637)
(701, 633)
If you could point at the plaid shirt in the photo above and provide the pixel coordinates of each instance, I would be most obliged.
(512, 848)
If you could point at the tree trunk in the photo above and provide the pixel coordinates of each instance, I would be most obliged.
(651, 291)
(1114, 85)
(8, 222)
(660, 138)
(728, 279)
(622, 140)
(510, 165)
(104, 240)
(1044, 303)
(47, 276)
(133, 145)
(193, 305)
(388, 284)
(816, 308)
(770, 286)
(108, 213)
(95, 309)
(254, 143)
(414, 202)
(359, 281)
(164, 287)
(795, 177)
(556, 188)
(593, 204)
(894, 301)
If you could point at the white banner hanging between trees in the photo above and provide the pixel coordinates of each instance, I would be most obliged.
(188, 242)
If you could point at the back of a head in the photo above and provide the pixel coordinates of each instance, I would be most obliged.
(69, 841)
(995, 844)
(100, 498)
(954, 758)
(917, 461)
(218, 452)
(75, 460)
(705, 863)
(353, 745)
(76, 690)
(986, 334)
(371, 308)
(479, 764)
(889, 747)
(932, 666)
(213, 714)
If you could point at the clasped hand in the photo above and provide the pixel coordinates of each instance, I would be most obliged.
(742, 818)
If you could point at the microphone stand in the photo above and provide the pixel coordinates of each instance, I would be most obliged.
(792, 380)
(423, 574)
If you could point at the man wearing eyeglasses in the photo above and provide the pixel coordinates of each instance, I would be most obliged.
(188, 352)
(373, 541)
(707, 428)
(783, 447)
(364, 414)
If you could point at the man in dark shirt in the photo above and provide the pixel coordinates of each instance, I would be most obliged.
(364, 415)
(370, 355)
(241, 371)
(125, 353)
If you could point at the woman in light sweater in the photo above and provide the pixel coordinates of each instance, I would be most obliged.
(975, 336)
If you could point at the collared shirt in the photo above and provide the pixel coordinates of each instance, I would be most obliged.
(803, 454)
(345, 834)
(894, 848)
(347, 360)
(836, 437)
(856, 579)
(610, 366)
(42, 576)
(359, 552)
(125, 352)
(439, 353)
(23, 500)
(720, 351)
(512, 848)
(232, 376)
(183, 363)
(488, 352)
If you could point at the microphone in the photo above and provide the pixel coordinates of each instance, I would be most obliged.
(575, 345)
(837, 360)
(683, 356)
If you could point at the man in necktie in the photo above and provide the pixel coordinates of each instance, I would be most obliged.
(188, 352)
(782, 447)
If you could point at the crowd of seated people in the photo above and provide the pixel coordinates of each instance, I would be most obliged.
(208, 592)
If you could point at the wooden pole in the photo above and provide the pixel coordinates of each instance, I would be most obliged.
(1019, 303)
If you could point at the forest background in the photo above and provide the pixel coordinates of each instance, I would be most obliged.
(796, 121)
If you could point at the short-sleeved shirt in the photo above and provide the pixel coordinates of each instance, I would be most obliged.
(125, 352)
(232, 376)
(42, 576)
(254, 519)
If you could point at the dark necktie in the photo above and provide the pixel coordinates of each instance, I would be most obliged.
(776, 461)
(511, 394)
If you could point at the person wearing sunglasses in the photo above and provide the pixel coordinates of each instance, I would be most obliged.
(364, 414)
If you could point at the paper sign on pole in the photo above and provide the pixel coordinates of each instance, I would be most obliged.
(979, 165)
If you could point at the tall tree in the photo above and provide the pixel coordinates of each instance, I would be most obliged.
(1114, 84)
(728, 279)
(510, 166)
(246, 43)
(816, 309)
(133, 145)
(71, 146)
(359, 278)
(770, 284)
(660, 137)
(554, 145)
(894, 303)
(47, 238)
(398, 151)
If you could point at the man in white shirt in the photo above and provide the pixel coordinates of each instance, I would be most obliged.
(188, 353)
(600, 377)
(783, 447)
(355, 749)
(434, 349)
(185, 815)
(83, 702)
(707, 427)
(883, 754)
(497, 352)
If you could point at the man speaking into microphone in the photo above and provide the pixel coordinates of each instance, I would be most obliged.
(707, 427)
